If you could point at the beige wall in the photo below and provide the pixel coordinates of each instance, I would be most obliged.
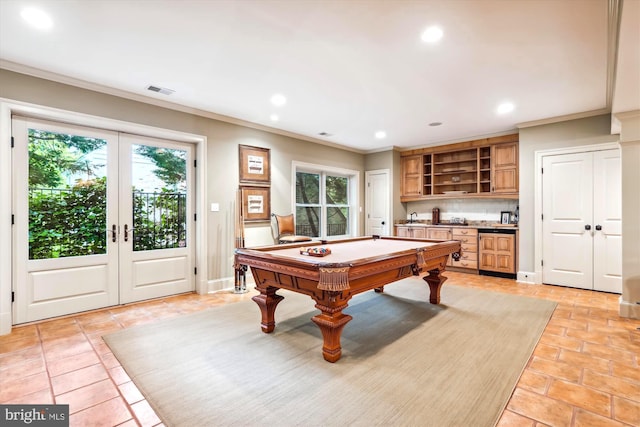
(389, 160)
(572, 133)
(222, 152)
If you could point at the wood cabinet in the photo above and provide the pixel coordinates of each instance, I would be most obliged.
(497, 252)
(482, 168)
(439, 233)
(409, 231)
(411, 184)
(468, 238)
(505, 168)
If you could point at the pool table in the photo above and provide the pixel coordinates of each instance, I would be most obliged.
(354, 265)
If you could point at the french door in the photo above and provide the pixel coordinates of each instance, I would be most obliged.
(101, 218)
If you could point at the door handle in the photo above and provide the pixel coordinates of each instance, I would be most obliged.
(382, 222)
(598, 227)
(586, 227)
(114, 233)
(126, 232)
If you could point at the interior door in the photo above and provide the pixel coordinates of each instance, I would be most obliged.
(607, 220)
(377, 195)
(582, 226)
(156, 217)
(65, 196)
(567, 206)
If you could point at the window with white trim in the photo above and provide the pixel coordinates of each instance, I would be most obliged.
(325, 201)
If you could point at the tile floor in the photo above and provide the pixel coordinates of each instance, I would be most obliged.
(585, 371)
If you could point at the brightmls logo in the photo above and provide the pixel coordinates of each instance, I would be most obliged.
(34, 415)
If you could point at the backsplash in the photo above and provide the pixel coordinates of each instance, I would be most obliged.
(471, 209)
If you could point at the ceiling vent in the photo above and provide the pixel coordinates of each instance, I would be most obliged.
(162, 90)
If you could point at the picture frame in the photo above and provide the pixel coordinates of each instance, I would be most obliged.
(255, 165)
(505, 217)
(256, 203)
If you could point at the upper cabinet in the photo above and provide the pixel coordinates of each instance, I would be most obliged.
(482, 168)
(505, 168)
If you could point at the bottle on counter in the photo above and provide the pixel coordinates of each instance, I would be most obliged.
(435, 216)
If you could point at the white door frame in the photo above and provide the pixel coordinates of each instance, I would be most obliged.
(9, 107)
(538, 193)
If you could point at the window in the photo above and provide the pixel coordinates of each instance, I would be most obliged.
(325, 201)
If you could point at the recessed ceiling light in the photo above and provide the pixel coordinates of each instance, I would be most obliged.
(274, 117)
(278, 100)
(435, 123)
(381, 134)
(432, 34)
(37, 18)
(505, 107)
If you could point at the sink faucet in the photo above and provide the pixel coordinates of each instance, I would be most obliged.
(411, 217)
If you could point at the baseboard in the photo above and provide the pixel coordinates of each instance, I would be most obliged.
(5, 323)
(224, 284)
(629, 309)
(526, 277)
(227, 284)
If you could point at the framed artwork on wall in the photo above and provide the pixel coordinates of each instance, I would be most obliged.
(256, 203)
(255, 165)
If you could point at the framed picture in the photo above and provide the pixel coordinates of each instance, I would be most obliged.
(256, 203)
(255, 165)
(504, 217)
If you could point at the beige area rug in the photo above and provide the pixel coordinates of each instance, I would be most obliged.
(404, 361)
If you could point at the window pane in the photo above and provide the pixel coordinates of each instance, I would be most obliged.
(159, 197)
(308, 221)
(307, 188)
(337, 190)
(337, 221)
(67, 195)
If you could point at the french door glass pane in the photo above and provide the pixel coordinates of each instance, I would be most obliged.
(159, 182)
(67, 195)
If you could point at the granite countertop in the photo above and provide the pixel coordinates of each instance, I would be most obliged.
(470, 224)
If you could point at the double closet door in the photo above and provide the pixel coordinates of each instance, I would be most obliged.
(100, 218)
(582, 226)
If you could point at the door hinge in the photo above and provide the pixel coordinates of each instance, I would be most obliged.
(542, 217)
(541, 170)
(542, 262)
(195, 217)
(13, 296)
(195, 270)
(13, 219)
(368, 184)
(195, 163)
(12, 142)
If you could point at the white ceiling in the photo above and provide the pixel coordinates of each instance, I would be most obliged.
(348, 68)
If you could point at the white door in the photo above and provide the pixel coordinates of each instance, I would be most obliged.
(607, 220)
(156, 245)
(578, 250)
(71, 205)
(377, 203)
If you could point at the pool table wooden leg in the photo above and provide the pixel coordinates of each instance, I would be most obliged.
(267, 301)
(435, 281)
(331, 322)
